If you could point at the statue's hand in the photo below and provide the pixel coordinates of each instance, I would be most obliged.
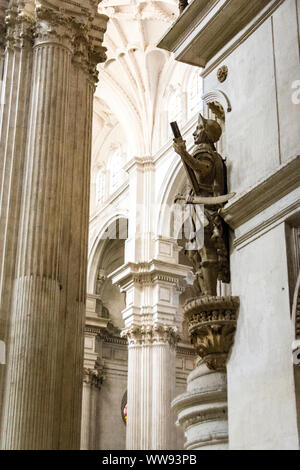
(180, 146)
(179, 197)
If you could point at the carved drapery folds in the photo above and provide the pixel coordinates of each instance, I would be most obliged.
(212, 326)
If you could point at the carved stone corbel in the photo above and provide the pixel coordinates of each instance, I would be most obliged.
(212, 324)
(93, 377)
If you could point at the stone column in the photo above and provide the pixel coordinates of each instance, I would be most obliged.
(42, 406)
(92, 373)
(151, 382)
(15, 85)
(152, 325)
(92, 380)
(202, 410)
(164, 383)
(133, 425)
(87, 52)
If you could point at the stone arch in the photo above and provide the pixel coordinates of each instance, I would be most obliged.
(174, 181)
(98, 246)
(296, 349)
(218, 102)
(296, 310)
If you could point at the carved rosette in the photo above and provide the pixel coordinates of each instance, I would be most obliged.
(147, 335)
(222, 73)
(212, 325)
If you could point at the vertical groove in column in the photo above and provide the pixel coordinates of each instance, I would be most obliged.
(163, 381)
(146, 402)
(86, 401)
(75, 242)
(15, 70)
(32, 377)
(133, 430)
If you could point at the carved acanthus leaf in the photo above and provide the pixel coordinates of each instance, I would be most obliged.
(212, 326)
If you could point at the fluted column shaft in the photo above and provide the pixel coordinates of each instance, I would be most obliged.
(86, 417)
(76, 197)
(31, 414)
(133, 395)
(43, 392)
(15, 85)
(151, 383)
(146, 394)
(163, 390)
(90, 400)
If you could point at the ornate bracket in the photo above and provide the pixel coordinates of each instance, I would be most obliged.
(212, 325)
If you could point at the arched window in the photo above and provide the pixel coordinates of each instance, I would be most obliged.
(100, 186)
(117, 175)
(195, 93)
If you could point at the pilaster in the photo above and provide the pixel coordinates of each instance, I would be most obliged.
(202, 410)
(139, 245)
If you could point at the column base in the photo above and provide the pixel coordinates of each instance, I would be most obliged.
(202, 410)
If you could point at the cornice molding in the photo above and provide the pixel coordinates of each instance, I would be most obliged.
(146, 272)
(265, 193)
(205, 28)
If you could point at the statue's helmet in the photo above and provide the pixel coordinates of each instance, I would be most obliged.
(212, 128)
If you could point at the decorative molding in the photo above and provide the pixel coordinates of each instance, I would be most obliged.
(212, 326)
(266, 225)
(149, 272)
(151, 334)
(203, 29)
(241, 37)
(265, 193)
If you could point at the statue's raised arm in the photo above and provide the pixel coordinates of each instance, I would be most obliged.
(204, 164)
(206, 171)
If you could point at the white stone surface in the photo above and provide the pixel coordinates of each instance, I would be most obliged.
(261, 394)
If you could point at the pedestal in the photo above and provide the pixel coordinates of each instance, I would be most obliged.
(202, 410)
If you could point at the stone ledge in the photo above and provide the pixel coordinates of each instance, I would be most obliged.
(265, 193)
(205, 27)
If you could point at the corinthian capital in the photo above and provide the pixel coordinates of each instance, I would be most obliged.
(53, 25)
(17, 31)
(147, 335)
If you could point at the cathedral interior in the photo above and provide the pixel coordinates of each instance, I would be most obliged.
(149, 224)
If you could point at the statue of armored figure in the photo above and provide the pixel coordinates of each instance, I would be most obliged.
(207, 173)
